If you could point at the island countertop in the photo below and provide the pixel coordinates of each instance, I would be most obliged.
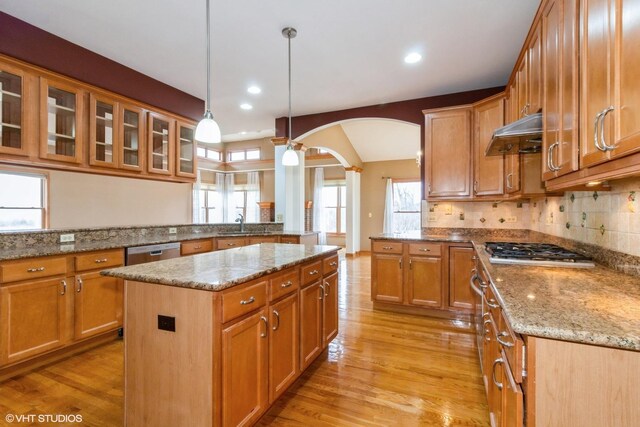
(216, 271)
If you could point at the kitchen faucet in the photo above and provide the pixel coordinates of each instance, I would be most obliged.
(240, 219)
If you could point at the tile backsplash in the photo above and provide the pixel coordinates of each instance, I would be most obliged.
(510, 215)
(610, 219)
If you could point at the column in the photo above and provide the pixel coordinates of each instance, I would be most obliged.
(353, 209)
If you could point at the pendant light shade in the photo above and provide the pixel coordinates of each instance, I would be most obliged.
(208, 131)
(289, 158)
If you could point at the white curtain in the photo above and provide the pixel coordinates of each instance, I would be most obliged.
(197, 214)
(221, 207)
(253, 197)
(229, 202)
(318, 206)
(387, 225)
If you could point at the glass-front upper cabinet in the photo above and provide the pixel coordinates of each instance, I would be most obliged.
(160, 140)
(12, 139)
(131, 137)
(60, 121)
(103, 135)
(186, 152)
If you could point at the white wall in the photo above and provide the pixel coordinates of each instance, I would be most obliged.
(87, 200)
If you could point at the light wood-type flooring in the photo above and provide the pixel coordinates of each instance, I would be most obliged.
(383, 369)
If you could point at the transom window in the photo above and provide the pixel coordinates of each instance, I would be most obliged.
(406, 206)
(334, 196)
(247, 154)
(23, 200)
(209, 153)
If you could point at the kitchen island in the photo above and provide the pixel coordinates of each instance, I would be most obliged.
(216, 338)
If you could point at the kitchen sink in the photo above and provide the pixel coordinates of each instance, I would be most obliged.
(244, 233)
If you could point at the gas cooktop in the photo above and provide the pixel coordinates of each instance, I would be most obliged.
(542, 254)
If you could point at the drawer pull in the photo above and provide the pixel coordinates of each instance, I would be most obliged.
(503, 342)
(231, 244)
(247, 301)
(492, 303)
(197, 247)
(287, 284)
(424, 250)
(313, 272)
(64, 287)
(387, 248)
(79, 289)
(333, 264)
(35, 270)
(100, 261)
(496, 362)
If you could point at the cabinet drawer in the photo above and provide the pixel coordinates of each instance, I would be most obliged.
(32, 269)
(263, 239)
(311, 272)
(289, 239)
(235, 303)
(387, 247)
(230, 243)
(284, 284)
(330, 264)
(196, 247)
(430, 249)
(99, 260)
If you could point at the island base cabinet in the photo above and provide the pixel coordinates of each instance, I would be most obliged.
(98, 304)
(33, 318)
(310, 323)
(244, 370)
(284, 349)
(330, 309)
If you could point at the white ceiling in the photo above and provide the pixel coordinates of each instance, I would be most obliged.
(377, 140)
(348, 53)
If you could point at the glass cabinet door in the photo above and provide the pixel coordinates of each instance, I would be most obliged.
(103, 142)
(186, 158)
(60, 122)
(11, 112)
(161, 141)
(131, 137)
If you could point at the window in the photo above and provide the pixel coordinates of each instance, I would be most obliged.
(23, 201)
(334, 196)
(240, 201)
(211, 200)
(209, 153)
(248, 154)
(406, 206)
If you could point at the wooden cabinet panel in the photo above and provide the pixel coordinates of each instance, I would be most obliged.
(425, 281)
(330, 265)
(160, 144)
(98, 304)
(104, 144)
(283, 284)
(461, 262)
(330, 309)
(33, 318)
(34, 268)
(236, 302)
(448, 153)
(522, 86)
(245, 370)
(534, 54)
(512, 400)
(186, 150)
(196, 247)
(512, 179)
(131, 136)
(284, 346)
(311, 272)
(386, 278)
(310, 324)
(230, 242)
(14, 99)
(96, 260)
(488, 170)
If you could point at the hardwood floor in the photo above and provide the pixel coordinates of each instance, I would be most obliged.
(383, 369)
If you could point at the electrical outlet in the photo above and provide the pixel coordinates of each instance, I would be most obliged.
(448, 209)
(173, 230)
(432, 218)
(66, 238)
(370, 215)
(512, 219)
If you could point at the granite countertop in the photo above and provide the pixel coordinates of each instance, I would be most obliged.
(215, 271)
(423, 237)
(127, 242)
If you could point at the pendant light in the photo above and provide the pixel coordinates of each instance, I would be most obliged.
(208, 130)
(290, 158)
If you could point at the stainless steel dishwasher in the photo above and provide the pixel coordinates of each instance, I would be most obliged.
(149, 253)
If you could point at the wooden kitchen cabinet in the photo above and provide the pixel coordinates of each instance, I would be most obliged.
(186, 150)
(330, 309)
(610, 89)
(13, 113)
(488, 170)
(230, 242)
(245, 370)
(311, 326)
(61, 121)
(448, 153)
(131, 137)
(98, 304)
(461, 262)
(534, 74)
(160, 144)
(34, 318)
(387, 278)
(424, 283)
(284, 345)
(104, 147)
(193, 247)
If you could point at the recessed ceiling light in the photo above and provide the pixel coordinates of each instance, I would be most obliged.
(246, 106)
(412, 58)
(254, 90)
(244, 132)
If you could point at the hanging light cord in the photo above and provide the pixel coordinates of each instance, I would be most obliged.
(289, 43)
(208, 105)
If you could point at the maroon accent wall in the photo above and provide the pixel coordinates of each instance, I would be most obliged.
(31, 44)
(408, 111)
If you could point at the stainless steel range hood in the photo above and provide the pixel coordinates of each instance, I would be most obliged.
(521, 136)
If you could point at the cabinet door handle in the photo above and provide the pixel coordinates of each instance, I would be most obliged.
(251, 300)
(35, 270)
(79, 288)
(410, 264)
(64, 287)
(313, 272)
(277, 323)
(475, 187)
(321, 292)
(509, 175)
(596, 124)
(429, 188)
(100, 261)
(472, 283)
(503, 342)
(327, 288)
(604, 144)
(266, 327)
(550, 163)
(400, 263)
(496, 362)
(493, 303)
(286, 284)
